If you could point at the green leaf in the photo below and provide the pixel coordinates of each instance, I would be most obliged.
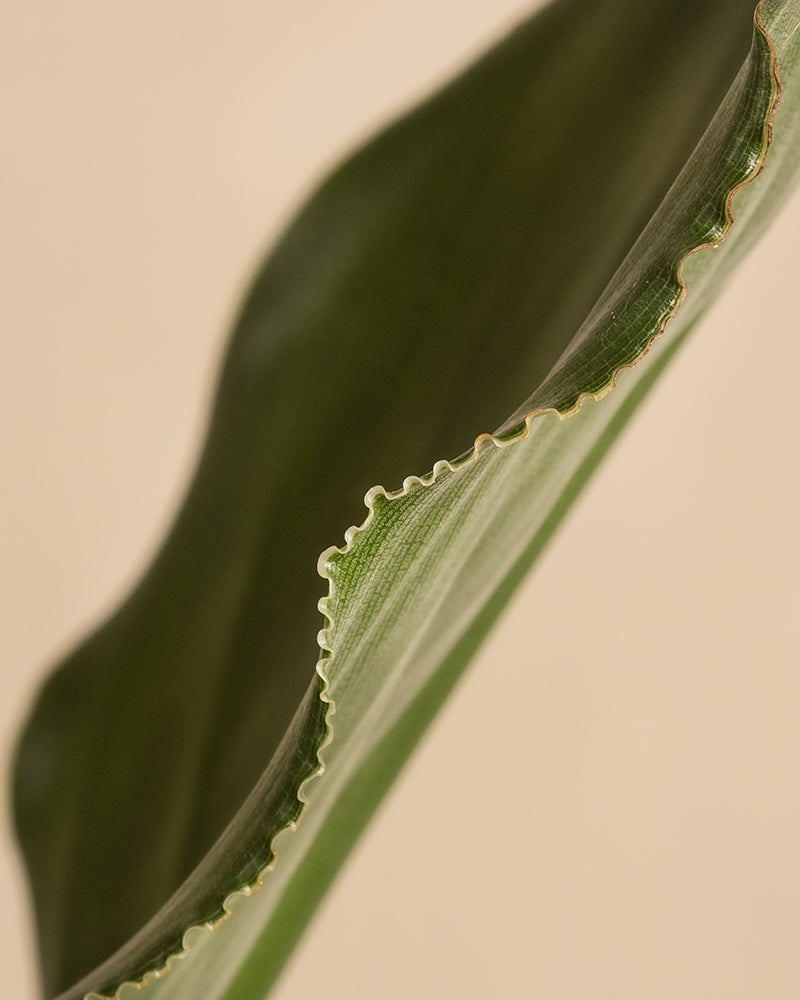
(430, 284)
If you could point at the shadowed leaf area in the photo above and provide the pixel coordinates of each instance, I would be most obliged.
(426, 290)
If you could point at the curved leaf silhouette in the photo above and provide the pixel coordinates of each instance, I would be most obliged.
(433, 282)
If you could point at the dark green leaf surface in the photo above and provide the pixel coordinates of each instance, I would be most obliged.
(427, 289)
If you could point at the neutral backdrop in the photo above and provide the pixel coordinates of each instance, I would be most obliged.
(608, 807)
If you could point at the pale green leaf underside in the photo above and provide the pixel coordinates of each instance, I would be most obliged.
(417, 586)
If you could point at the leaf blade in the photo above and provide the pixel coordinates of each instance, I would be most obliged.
(165, 980)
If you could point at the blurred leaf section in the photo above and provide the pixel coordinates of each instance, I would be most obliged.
(427, 288)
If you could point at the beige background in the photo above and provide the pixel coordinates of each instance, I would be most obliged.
(608, 807)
